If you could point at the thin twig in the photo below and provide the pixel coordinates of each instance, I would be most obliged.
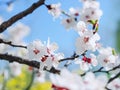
(20, 15)
(10, 43)
(63, 12)
(73, 57)
(111, 79)
(99, 70)
(114, 68)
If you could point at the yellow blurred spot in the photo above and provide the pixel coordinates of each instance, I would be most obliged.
(41, 86)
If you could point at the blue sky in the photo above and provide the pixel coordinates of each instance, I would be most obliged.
(43, 26)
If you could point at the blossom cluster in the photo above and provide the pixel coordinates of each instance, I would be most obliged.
(88, 40)
(44, 53)
(91, 54)
(71, 81)
(91, 51)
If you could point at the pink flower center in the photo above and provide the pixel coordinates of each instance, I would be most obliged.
(48, 50)
(58, 88)
(85, 82)
(44, 58)
(85, 59)
(68, 20)
(76, 14)
(86, 39)
(87, 16)
(92, 12)
(52, 57)
(36, 51)
(117, 86)
(106, 60)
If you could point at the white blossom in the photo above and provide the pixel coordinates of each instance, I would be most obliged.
(116, 71)
(36, 50)
(90, 14)
(54, 10)
(81, 27)
(87, 63)
(18, 32)
(44, 53)
(52, 47)
(106, 57)
(69, 23)
(88, 41)
(115, 84)
(90, 11)
(91, 4)
(74, 12)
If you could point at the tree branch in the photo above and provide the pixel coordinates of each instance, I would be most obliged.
(31, 63)
(103, 71)
(20, 15)
(10, 43)
(11, 59)
(74, 56)
(114, 68)
(111, 79)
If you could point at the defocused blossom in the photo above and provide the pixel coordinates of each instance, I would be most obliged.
(15, 68)
(18, 32)
(115, 84)
(94, 83)
(91, 4)
(40, 77)
(85, 0)
(67, 81)
(74, 12)
(70, 81)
